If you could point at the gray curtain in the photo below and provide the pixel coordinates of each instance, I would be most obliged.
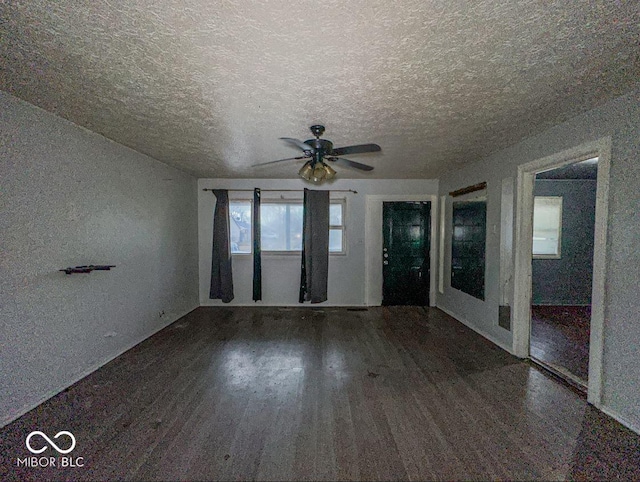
(221, 273)
(257, 257)
(315, 247)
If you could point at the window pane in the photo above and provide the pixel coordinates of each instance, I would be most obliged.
(295, 227)
(468, 246)
(547, 222)
(282, 226)
(335, 240)
(273, 227)
(240, 226)
(335, 214)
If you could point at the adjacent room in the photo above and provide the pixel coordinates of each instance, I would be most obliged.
(564, 220)
(272, 240)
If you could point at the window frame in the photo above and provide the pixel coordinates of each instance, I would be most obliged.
(561, 205)
(342, 227)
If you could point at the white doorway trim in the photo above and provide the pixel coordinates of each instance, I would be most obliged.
(373, 244)
(523, 249)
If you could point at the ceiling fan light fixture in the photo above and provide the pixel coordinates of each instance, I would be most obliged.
(319, 173)
(306, 171)
(331, 173)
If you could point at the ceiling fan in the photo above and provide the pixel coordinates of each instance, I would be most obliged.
(317, 151)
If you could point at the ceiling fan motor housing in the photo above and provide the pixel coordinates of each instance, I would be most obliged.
(321, 148)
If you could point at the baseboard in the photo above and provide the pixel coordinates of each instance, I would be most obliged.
(293, 305)
(561, 304)
(326, 304)
(476, 329)
(616, 416)
(52, 393)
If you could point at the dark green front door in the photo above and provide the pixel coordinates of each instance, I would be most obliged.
(405, 253)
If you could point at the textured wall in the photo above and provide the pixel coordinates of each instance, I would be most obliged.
(281, 273)
(619, 119)
(72, 197)
(568, 280)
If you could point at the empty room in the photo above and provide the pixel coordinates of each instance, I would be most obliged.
(274, 240)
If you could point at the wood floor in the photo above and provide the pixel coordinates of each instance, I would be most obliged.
(266, 393)
(560, 338)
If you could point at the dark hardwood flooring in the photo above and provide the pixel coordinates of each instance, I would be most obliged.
(392, 393)
(560, 338)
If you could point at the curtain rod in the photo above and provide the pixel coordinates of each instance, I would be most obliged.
(286, 190)
(468, 189)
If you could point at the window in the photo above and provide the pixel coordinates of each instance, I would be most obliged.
(336, 227)
(240, 226)
(281, 226)
(547, 227)
(281, 229)
(468, 246)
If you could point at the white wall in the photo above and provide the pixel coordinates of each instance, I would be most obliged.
(71, 197)
(281, 273)
(619, 119)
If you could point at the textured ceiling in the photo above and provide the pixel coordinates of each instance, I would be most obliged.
(210, 86)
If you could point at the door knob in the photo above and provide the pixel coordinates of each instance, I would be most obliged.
(386, 255)
(384, 250)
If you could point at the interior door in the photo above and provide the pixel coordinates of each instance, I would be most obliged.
(406, 253)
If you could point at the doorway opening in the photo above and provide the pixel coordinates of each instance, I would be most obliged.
(406, 258)
(524, 332)
(564, 211)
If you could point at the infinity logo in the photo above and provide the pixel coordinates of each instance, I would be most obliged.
(51, 442)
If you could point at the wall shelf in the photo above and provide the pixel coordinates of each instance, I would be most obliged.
(89, 268)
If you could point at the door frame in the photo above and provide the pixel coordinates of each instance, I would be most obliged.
(601, 149)
(373, 244)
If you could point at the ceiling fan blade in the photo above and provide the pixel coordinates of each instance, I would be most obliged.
(341, 161)
(298, 143)
(281, 160)
(359, 149)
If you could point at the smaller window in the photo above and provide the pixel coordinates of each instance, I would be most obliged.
(336, 227)
(240, 227)
(547, 227)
